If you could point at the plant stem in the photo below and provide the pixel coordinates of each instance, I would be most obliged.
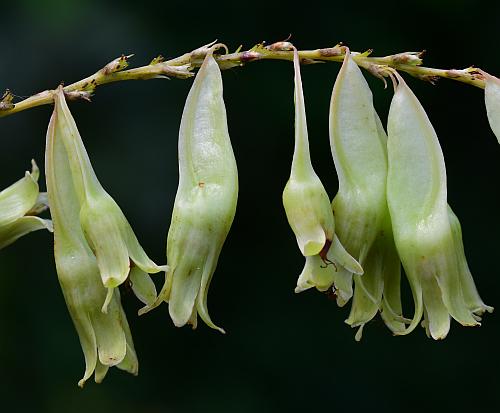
(183, 66)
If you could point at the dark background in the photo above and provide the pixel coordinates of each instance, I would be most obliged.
(283, 352)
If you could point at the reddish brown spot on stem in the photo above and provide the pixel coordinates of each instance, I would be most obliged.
(281, 46)
(331, 51)
(306, 61)
(452, 74)
(249, 56)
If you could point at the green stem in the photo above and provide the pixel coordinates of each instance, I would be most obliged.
(182, 67)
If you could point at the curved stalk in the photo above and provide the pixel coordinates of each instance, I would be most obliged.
(182, 67)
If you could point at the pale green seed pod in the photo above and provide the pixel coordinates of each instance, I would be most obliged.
(105, 337)
(106, 229)
(426, 232)
(19, 203)
(358, 143)
(205, 203)
(307, 207)
(492, 101)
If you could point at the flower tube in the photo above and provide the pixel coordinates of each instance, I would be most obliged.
(105, 337)
(106, 229)
(427, 233)
(358, 143)
(205, 203)
(492, 102)
(309, 211)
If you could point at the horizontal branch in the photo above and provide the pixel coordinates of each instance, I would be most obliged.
(182, 67)
(83, 89)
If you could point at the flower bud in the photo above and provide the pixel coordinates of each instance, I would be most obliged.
(106, 229)
(308, 208)
(358, 143)
(205, 203)
(492, 101)
(105, 337)
(426, 232)
(19, 203)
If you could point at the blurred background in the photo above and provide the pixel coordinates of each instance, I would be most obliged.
(282, 352)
